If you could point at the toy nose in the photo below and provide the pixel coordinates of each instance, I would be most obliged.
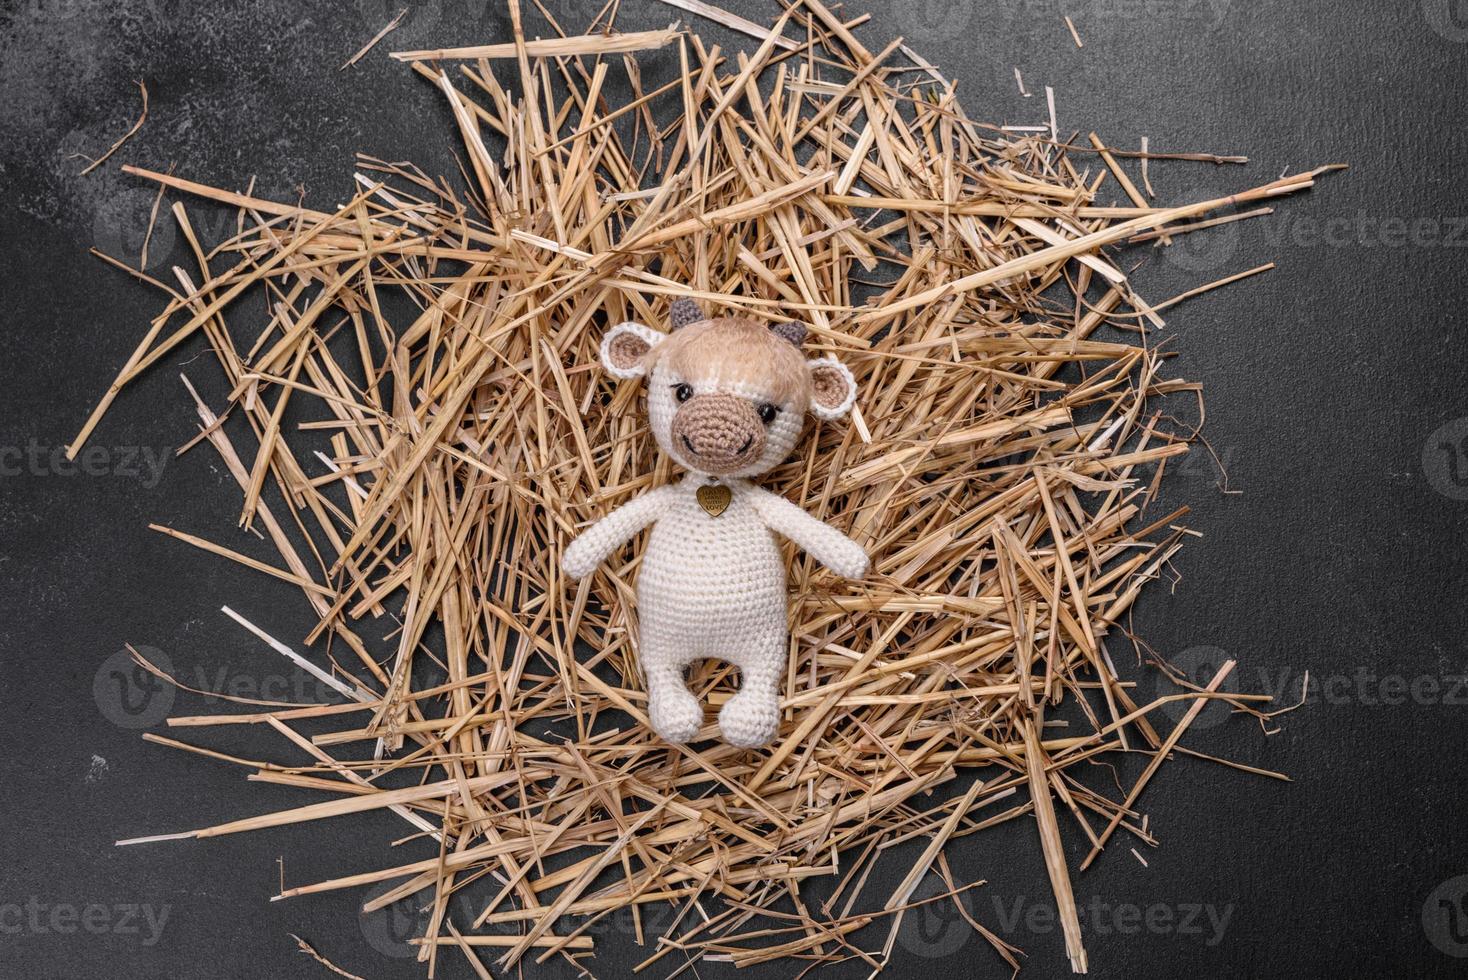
(718, 433)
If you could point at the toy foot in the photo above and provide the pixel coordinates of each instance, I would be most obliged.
(750, 719)
(675, 715)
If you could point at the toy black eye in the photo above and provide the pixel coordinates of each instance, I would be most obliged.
(767, 413)
(682, 392)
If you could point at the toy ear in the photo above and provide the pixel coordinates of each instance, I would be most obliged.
(625, 347)
(833, 389)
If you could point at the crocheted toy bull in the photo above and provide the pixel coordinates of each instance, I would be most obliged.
(726, 401)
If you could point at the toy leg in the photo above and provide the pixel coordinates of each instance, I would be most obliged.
(673, 712)
(750, 718)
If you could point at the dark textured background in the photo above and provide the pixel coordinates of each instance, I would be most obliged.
(1335, 395)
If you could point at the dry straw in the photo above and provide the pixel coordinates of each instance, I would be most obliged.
(998, 469)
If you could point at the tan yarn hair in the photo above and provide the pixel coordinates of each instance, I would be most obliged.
(735, 351)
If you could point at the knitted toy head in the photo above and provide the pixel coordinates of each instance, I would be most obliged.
(727, 397)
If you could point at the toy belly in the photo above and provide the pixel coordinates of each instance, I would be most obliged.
(712, 580)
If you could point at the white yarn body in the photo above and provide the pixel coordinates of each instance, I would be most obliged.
(713, 587)
(707, 584)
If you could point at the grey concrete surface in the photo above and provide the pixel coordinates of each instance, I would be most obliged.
(1335, 392)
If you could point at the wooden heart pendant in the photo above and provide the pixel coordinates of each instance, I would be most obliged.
(714, 498)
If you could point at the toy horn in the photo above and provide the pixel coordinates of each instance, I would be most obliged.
(683, 312)
(793, 332)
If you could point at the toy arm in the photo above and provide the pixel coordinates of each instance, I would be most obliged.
(821, 541)
(594, 544)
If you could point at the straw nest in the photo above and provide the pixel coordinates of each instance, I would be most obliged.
(441, 347)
